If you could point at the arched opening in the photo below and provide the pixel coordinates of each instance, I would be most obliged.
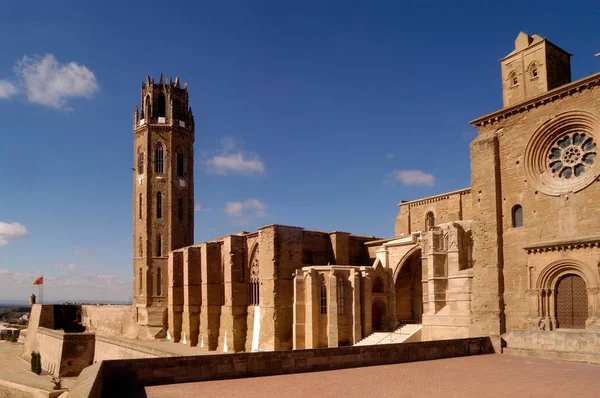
(140, 161)
(340, 296)
(571, 302)
(429, 221)
(409, 290)
(517, 216)
(159, 159)
(147, 109)
(254, 284)
(158, 246)
(378, 286)
(533, 70)
(161, 105)
(180, 163)
(378, 315)
(158, 205)
(323, 297)
(140, 283)
(513, 79)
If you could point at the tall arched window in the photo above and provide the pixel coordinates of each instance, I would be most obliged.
(147, 110)
(159, 159)
(517, 216)
(324, 297)
(180, 164)
(140, 161)
(253, 287)
(429, 221)
(158, 246)
(158, 205)
(160, 106)
(159, 282)
(340, 296)
(140, 206)
(140, 281)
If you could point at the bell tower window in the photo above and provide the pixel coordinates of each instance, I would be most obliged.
(517, 216)
(161, 105)
(140, 161)
(180, 163)
(159, 159)
(513, 79)
(147, 109)
(159, 246)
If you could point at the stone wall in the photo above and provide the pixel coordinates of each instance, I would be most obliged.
(112, 320)
(128, 376)
(65, 354)
(447, 207)
(113, 348)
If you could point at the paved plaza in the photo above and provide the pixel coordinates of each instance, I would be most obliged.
(477, 376)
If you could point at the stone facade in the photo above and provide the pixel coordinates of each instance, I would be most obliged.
(518, 250)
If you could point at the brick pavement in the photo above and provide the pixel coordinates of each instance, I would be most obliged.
(477, 376)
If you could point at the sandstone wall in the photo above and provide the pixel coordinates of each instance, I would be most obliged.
(112, 320)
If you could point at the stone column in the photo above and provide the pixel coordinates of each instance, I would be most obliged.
(210, 313)
(192, 294)
(393, 322)
(366, 303)
(299, 311)
(175, 299)
(332, 315)
(356, 307)
(311, 284)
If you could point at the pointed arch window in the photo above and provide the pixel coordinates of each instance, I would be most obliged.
(429, 221)
(180, 163)
(158, 205)
(147, 109)
(340, 296)
(140, 161)
(323, 297)
(159, 282)
(254, 286)
(378, 286)
(161, 105)
(517, 216)
(159, 159)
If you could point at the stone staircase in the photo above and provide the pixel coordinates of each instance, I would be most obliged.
(398, 336)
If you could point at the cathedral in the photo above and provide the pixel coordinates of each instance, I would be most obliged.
(515, 255)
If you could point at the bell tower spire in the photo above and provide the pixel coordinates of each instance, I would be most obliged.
(163, 194)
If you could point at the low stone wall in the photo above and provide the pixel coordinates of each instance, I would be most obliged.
(111, 348)
(65, 354)
(126, 376)
(13, 390)
(568, 345)
(112, 320)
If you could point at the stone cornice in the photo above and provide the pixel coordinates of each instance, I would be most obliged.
(551, 96)
(435, 198)
(563, 245)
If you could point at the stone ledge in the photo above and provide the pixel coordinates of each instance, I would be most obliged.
(550, 354)
(564, 244)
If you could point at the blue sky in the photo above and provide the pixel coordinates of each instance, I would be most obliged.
(317, 109)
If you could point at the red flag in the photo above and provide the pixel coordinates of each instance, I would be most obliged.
(39, 281)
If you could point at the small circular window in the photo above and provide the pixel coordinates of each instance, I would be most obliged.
(561, 155)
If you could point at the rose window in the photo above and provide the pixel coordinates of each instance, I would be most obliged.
(572, 155)
(560, 157)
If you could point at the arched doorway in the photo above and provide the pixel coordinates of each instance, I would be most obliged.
(377, 315)
(409, 291)
(571, 302)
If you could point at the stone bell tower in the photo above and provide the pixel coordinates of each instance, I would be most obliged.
(163, 194)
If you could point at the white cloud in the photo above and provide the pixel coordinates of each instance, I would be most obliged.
(68, 267)
(7, 89)
(229, 162)
(243, 212)
(50, 83)
(413, 177)
(11, 231)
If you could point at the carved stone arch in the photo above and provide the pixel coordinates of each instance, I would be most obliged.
(551, 274)
(404, 260)
(254, 277)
